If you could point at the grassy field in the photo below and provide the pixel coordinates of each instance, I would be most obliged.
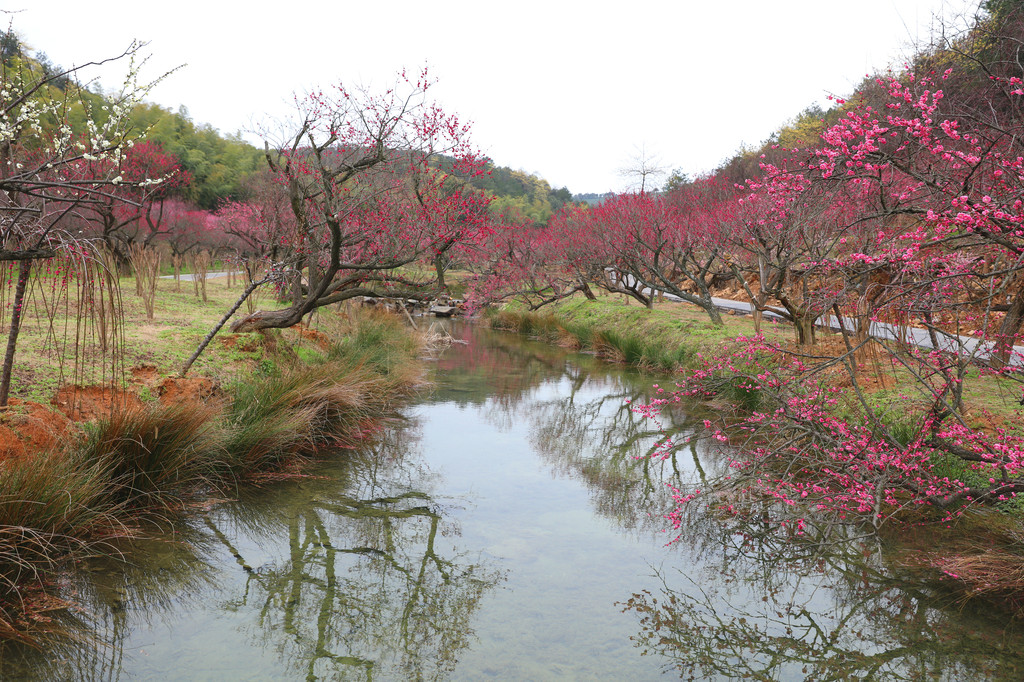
(664, 339)
(46, 355)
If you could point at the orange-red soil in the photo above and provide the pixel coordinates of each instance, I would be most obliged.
(27, 427)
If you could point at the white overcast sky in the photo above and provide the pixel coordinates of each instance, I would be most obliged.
(568, 90)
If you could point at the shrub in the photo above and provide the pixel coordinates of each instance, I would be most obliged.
(157, 454)
(48, 504)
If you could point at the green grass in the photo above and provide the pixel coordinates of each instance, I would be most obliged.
(321, 399)
(674, 337)
(264, 425)
(665, 339)
(376, 342)
(309, 355)
(45, 354)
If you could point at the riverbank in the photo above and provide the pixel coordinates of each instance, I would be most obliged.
(676, 338)
(87, 463)
(826, 437)
(665, 339)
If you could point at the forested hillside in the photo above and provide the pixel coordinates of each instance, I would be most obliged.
(518, 195)
(219, 165)
(224, 168)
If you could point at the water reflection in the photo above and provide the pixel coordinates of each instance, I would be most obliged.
(441, 553)
(748, 601)
(577, 414)
(823, 605)
(352, 573)
(139, 583)
(370, 586)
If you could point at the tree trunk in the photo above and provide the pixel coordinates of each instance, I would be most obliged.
(213, 332)
(12, 339)
(439, 267)
(804, 326)
(1008, 332)
(289, 317)
(715, 315)
(757, 305)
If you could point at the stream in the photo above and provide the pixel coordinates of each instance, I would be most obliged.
(509, 527)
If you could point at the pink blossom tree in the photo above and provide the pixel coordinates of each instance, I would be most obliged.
(356, 171)
(924, 205)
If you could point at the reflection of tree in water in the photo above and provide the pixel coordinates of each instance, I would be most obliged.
(822, 608)
(755, 604)
(488, 365)
(369, 582)
(371, 585)
(118, 592)
(586, 429)
(593, 435)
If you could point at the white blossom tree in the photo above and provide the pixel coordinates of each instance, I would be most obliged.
(54, 134)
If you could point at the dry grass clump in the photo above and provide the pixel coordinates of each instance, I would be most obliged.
(156, 455)
(52, 507)
(990, 567)
(330, 403)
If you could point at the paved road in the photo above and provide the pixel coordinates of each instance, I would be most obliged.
(188, 277)
(953, 343)
(965, 345)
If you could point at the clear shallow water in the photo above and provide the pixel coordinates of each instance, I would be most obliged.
(505, 530)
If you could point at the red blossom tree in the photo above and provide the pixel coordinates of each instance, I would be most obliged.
(673, 243)
(186, 228)
(786, 225)
(520, 261)
(924, 205)
(132, 210)
(359, 174)
(263, 225)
